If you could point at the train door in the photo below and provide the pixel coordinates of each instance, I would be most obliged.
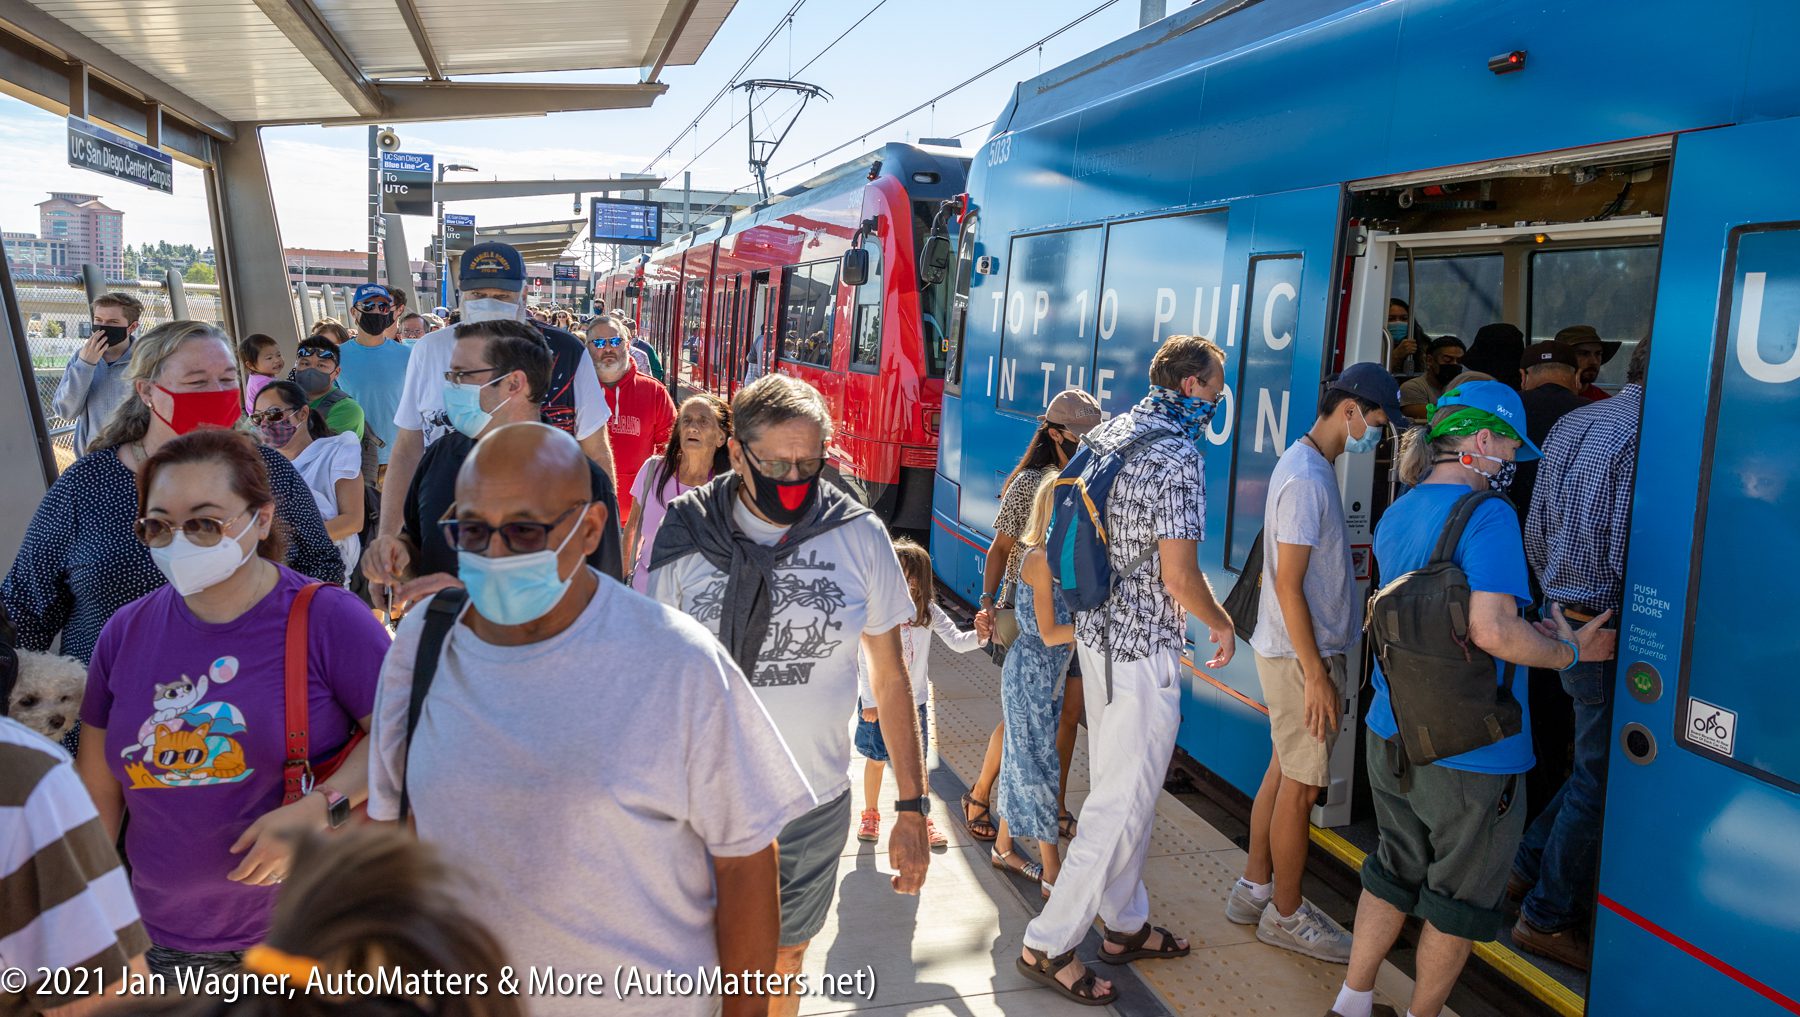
(756, 347)
(1699, 871)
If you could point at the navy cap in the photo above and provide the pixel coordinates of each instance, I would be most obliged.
(367, 290)
(1373, 383)
(492, 265)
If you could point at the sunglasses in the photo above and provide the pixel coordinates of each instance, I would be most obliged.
(268, 416)
(375, 305)
(202, 531)
(605, 342)
(319, 352)
(777, 469)
(520, 537)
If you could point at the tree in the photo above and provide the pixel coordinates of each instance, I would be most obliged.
(53, 329)
(201, 272)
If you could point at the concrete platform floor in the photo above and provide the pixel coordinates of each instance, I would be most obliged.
(949, 951)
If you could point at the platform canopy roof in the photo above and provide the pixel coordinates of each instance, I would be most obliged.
(222, 63)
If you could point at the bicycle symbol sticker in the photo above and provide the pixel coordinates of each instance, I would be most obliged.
(1711, 727)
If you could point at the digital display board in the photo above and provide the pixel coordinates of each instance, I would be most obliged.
(619, 221)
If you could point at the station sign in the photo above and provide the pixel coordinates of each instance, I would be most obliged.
(92, 147)
(565, 273)
(459, 233)
(406, 183)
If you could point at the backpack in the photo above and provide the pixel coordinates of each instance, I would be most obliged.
(440, 615)
(1244, 602)
(1440, 683)
(1076, 544)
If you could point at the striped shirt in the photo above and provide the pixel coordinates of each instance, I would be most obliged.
(1581, 505)
(65, 900)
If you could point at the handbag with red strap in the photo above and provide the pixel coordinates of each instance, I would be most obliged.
(297, 774)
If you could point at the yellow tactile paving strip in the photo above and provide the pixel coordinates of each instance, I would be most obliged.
(1189, 874)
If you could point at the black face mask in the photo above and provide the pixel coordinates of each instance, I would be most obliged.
(1446, 373)
(115, 334)
(773, 497)
(312, 381)
(372, 323)
(1069, 447)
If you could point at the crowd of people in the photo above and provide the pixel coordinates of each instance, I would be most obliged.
(372, 586)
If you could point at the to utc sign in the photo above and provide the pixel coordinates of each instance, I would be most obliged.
(405, 183)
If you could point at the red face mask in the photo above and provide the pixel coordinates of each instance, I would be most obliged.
(195, 410)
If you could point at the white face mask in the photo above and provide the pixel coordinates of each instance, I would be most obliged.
(191, 568)
(476, 309)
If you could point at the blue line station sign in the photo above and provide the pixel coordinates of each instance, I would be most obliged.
(92, 147)
(406, 183)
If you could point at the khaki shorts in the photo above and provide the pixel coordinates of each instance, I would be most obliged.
(1303, 757)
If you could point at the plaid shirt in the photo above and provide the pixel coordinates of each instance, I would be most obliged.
(1581, 506)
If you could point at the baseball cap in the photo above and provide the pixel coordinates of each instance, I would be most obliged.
(1547, 351)
(1373, 383)
(1074, 409)
(367, 290)
(1575, 335)
(1496, 401)
(492, 265)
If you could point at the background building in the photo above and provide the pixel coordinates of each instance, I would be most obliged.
(93, 231)
(29, 254)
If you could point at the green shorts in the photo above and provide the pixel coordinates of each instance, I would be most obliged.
(1447, 841)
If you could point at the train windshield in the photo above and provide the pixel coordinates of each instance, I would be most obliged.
(934, 297)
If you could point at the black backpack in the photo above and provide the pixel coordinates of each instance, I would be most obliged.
(1440, 683)
(1244, 602)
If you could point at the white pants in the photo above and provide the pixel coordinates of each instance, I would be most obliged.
(1130, 741)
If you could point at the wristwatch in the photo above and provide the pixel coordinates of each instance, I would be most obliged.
(921, 805)
(337, 807)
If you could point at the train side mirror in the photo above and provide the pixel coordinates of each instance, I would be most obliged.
(856, 267)
(934, 259)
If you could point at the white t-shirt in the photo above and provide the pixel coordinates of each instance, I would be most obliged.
(422, 397)
(322, 464)
(1304, 508)
(622, 779)
(915, 647)
(838, 587)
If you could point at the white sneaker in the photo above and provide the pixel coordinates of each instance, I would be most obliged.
(1313, 934)
(1242, 907)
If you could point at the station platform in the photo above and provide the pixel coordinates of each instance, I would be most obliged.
(949, 951)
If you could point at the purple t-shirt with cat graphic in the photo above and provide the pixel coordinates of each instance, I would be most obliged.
(194, 715)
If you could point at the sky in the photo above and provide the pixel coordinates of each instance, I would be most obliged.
(905, 52)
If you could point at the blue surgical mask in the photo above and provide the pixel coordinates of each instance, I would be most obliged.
(1396, 331)
(518, 588)
(1371, 436)
(462, 404)
(476, 309)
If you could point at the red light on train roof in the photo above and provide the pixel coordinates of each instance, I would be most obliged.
(1506, 63)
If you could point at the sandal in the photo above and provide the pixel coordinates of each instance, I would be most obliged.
(934, 836)
(870, 830)
(981, 824)
(1065, 825)
(1133, 943)
(1026, 867)
(1042, 969)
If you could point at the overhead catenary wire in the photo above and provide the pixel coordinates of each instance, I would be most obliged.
(786, 21)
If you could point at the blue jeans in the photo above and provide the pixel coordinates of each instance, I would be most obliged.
(1561, 849)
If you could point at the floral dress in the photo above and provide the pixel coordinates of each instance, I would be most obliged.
(1031, 689)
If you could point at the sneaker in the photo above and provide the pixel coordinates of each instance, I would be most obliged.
(1314, 935)
(870, 830)
(1570, 946)
(1242, 907)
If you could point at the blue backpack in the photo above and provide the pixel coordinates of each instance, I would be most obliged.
(1077, 542)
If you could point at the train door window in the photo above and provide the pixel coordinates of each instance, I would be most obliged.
(1736, 704)
(693, 321)
(755, 359)
(865, 325)
(715, 340)
(947, 361)
(807, 321)
(1263, 390)
(1163, 277)
(1045, 318)
(1610, 288)
(1452, 294)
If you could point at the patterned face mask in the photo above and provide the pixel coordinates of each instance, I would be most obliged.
(1189, 413)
